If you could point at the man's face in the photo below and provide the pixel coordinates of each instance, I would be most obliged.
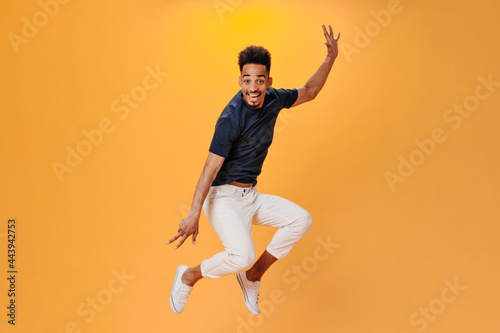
(254, 81)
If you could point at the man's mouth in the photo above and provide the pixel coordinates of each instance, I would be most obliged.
(253, 97)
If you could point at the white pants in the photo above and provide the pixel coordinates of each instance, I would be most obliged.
(232, 210)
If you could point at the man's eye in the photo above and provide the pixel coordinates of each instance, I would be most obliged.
(247, 81)
(261, 81)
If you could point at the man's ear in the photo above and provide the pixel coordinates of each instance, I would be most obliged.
(270, 81)
(239, 80)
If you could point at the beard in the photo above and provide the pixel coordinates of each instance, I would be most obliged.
(253, 105)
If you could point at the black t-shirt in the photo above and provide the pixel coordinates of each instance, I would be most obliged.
(243, 135)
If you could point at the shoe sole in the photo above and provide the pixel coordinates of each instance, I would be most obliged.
(245, 297)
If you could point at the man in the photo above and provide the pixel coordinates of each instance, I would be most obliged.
(226, 189)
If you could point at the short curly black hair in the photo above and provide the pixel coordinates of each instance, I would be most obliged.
(255, 55)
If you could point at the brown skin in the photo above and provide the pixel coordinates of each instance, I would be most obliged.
(316, 82)
(254, 81)
(189, 225)
(260, 266)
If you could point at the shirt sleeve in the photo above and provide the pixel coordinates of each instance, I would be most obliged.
(287, 97)
(226, 132)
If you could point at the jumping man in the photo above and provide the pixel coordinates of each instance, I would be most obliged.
(227, 191)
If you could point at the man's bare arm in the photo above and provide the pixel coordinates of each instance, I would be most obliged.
(189, 225)
(316, 82)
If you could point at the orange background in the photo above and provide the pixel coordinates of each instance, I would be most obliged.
(394, 247)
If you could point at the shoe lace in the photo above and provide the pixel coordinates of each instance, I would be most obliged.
(256, 287)
(184, 293)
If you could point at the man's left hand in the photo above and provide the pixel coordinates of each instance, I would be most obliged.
(331, 42)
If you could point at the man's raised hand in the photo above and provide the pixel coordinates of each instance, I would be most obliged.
(331, 42)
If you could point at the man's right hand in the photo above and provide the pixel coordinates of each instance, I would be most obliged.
(188, 226)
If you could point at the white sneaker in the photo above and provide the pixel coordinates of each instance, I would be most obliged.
(180, 291)
(250, 292)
